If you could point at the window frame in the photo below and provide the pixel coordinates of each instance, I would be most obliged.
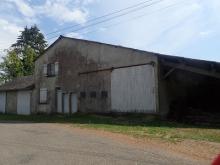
(51, 69)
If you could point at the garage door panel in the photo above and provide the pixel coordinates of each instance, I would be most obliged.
(66, 106)
(2, 102)
(133, 89)
(23, 102)
(73, 103)
(59, 101)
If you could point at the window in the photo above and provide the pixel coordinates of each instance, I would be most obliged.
(104, 94)
(51, 69)
(43, 95)
(93, 94)
(83, 95)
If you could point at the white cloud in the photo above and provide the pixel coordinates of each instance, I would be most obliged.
(9, 27)
(8, 33)
(87, 2)
(163, 30)
(153, 27)
(75, 35)
(177, 29)
(167, 31)
(23, 7)
(206, 33)
(62, 11)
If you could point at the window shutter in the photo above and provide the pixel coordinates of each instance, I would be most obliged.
(45, 69)
(52, 69)
(56, 68)
(43, 95)
(48, 69)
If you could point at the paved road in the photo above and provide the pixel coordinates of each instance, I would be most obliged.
(51, 144)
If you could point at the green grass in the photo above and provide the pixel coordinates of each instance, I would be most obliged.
(139, 126)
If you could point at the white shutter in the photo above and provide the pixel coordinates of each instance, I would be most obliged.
(45, 69)
(56, 68)
(23, 102)
(43, 95)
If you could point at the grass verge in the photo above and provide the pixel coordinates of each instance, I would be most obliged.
(139, 126)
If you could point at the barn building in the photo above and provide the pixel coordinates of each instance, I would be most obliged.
(75, 75)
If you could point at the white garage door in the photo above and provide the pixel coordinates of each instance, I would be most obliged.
(59, 101)
(66, 103)
(73, 103)
(2, 102)
(23, 102)
(133, 89)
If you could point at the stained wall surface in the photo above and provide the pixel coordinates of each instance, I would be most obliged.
(77, 56)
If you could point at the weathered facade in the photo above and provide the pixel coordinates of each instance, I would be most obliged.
(90, 71)
(84, 76)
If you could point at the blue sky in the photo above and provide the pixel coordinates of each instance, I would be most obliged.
(177, 27)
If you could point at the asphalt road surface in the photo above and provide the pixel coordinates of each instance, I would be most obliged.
(53, 144)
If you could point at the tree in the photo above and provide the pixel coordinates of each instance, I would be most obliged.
(19, 59)
(31, 37)
(11, 66)
(29, 57)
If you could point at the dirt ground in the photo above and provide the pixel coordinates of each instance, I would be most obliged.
(202, 151)
(55, 144)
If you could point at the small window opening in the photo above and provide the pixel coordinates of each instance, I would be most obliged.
(83, 95)
(104, 94)
(51, 69)
(93, 94)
